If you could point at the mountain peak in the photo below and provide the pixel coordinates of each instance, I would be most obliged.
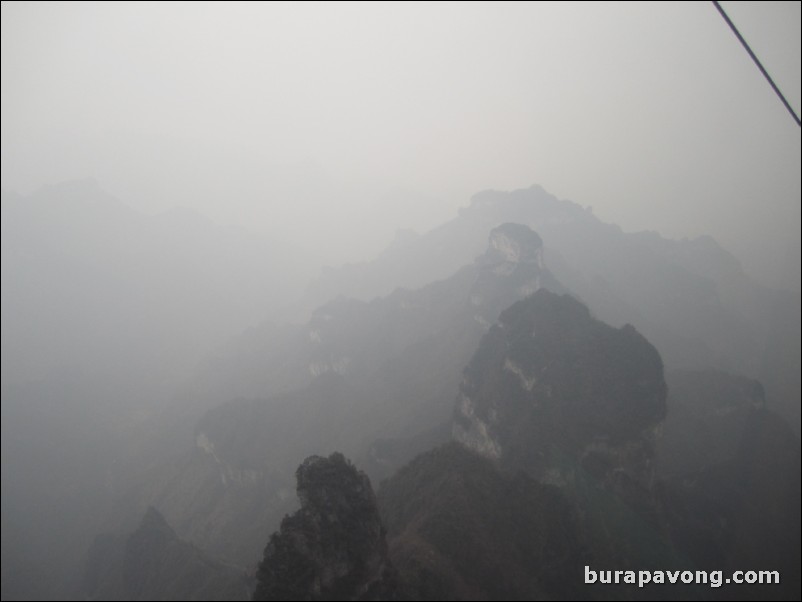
(514, 243)
(154, 520)
(153, 535)
(329, 485)
(334, 547)
(550, 367)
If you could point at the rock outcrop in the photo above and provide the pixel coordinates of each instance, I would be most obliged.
(334, 547)
(575, 404)
(549, 382)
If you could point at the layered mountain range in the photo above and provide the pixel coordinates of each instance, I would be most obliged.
(690, 298)
(540, 391)
(374, 380)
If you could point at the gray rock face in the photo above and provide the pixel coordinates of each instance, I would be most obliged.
(574, 403)
(515, 243)
(549, 381)
(334, 547)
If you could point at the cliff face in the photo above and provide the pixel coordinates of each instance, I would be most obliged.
(549, 382)
(333, 547)
(575, 404)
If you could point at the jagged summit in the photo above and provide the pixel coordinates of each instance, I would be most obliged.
(334, 547)
(533, 197)
(574, 403)
(514, 243)
(332, 485)
(551, 379)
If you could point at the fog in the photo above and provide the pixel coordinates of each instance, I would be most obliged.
(333, 125)
(497, 289)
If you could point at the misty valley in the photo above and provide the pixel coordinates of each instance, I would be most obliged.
(191, 411)
(400, 301)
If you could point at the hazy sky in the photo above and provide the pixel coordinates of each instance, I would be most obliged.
(302, 118)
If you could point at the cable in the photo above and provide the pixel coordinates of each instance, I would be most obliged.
(757, 62)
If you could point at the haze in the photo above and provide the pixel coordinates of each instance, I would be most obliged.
(510, 288)
(334, 125)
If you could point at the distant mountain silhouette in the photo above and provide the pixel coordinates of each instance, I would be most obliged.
(152, 563)
(374, 380)
(690, 298)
